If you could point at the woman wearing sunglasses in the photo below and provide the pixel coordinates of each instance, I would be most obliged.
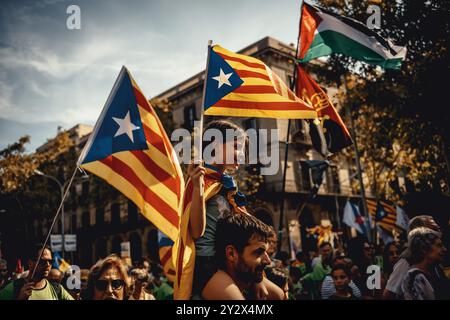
(108, 280)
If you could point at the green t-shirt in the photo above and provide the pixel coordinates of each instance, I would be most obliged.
(163, 292)
(46, 293)
(216, 207)
(314, 279)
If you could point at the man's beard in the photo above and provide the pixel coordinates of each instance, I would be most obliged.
(247, 275)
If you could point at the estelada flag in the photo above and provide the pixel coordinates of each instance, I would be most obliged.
(384, 214)
(242, 86)
(336, 133)
(130, 150)
(165, 256)
(184, 248)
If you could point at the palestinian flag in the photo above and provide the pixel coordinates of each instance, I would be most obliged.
(323, 32)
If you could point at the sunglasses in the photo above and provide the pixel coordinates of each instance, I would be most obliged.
(44, 262)
(117, 284)
(3, 270)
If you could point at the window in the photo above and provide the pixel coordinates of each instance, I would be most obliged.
(132, 212)
(115, 214)
(332, 180)
(250, 124)
(86, 219)
(189, 117)
(85, 189)
(99, 216)
(305, 177)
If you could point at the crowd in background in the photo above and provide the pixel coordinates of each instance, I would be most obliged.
(411, 270)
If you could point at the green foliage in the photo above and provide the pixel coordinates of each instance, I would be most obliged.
(400, 117)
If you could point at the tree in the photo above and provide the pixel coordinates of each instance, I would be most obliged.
(399, 116)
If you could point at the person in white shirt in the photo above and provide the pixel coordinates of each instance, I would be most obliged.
(427, 251)
(393, 286)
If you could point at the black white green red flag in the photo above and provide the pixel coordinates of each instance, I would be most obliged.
(323, 32)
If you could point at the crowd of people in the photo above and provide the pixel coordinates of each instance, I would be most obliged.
(248, 267)
(110, 278)
(236, 256)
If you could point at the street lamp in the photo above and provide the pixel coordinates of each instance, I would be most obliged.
(61, 188)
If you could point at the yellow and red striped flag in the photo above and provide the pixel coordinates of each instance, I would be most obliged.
(384, 215)
(184, 249)
(130, 150)
(165, 256)
(242, 86)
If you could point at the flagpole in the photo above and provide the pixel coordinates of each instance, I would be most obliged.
(357, 157)
(199, 136)
(54, 221)
(286, 146)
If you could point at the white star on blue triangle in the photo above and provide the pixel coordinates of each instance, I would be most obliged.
(221, 79)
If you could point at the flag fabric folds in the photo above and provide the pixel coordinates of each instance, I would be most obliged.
(59, 263)
(336, 133)
(242, 86)
(184, 248)
(165, 255)
(402, 218)
(384, 215)
(323, 32)
(318, 168)
(353, 218)
(130, 150)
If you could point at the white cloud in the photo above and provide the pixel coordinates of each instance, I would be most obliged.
(48, 73)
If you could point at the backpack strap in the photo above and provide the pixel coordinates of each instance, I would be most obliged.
(57, 288)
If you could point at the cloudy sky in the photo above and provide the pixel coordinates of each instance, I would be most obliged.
(50, 75)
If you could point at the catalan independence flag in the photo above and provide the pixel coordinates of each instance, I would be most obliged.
(130, 150)
(384, 215)
(184, 248)
(242, 86)
(165, 255)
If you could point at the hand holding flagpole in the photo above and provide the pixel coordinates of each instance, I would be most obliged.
(198, 131)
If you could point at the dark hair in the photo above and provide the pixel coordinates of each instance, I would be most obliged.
(237, 230)
(223, 126)
(300, 255)
(342, 267)
(323, 244)
(34, 251)
(277, 276)
(295, 272)
(387, 267)
(338, 258)
(283, 256)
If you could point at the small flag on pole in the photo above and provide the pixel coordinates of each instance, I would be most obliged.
(384, 215)
(402, 219)
(353, 218)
